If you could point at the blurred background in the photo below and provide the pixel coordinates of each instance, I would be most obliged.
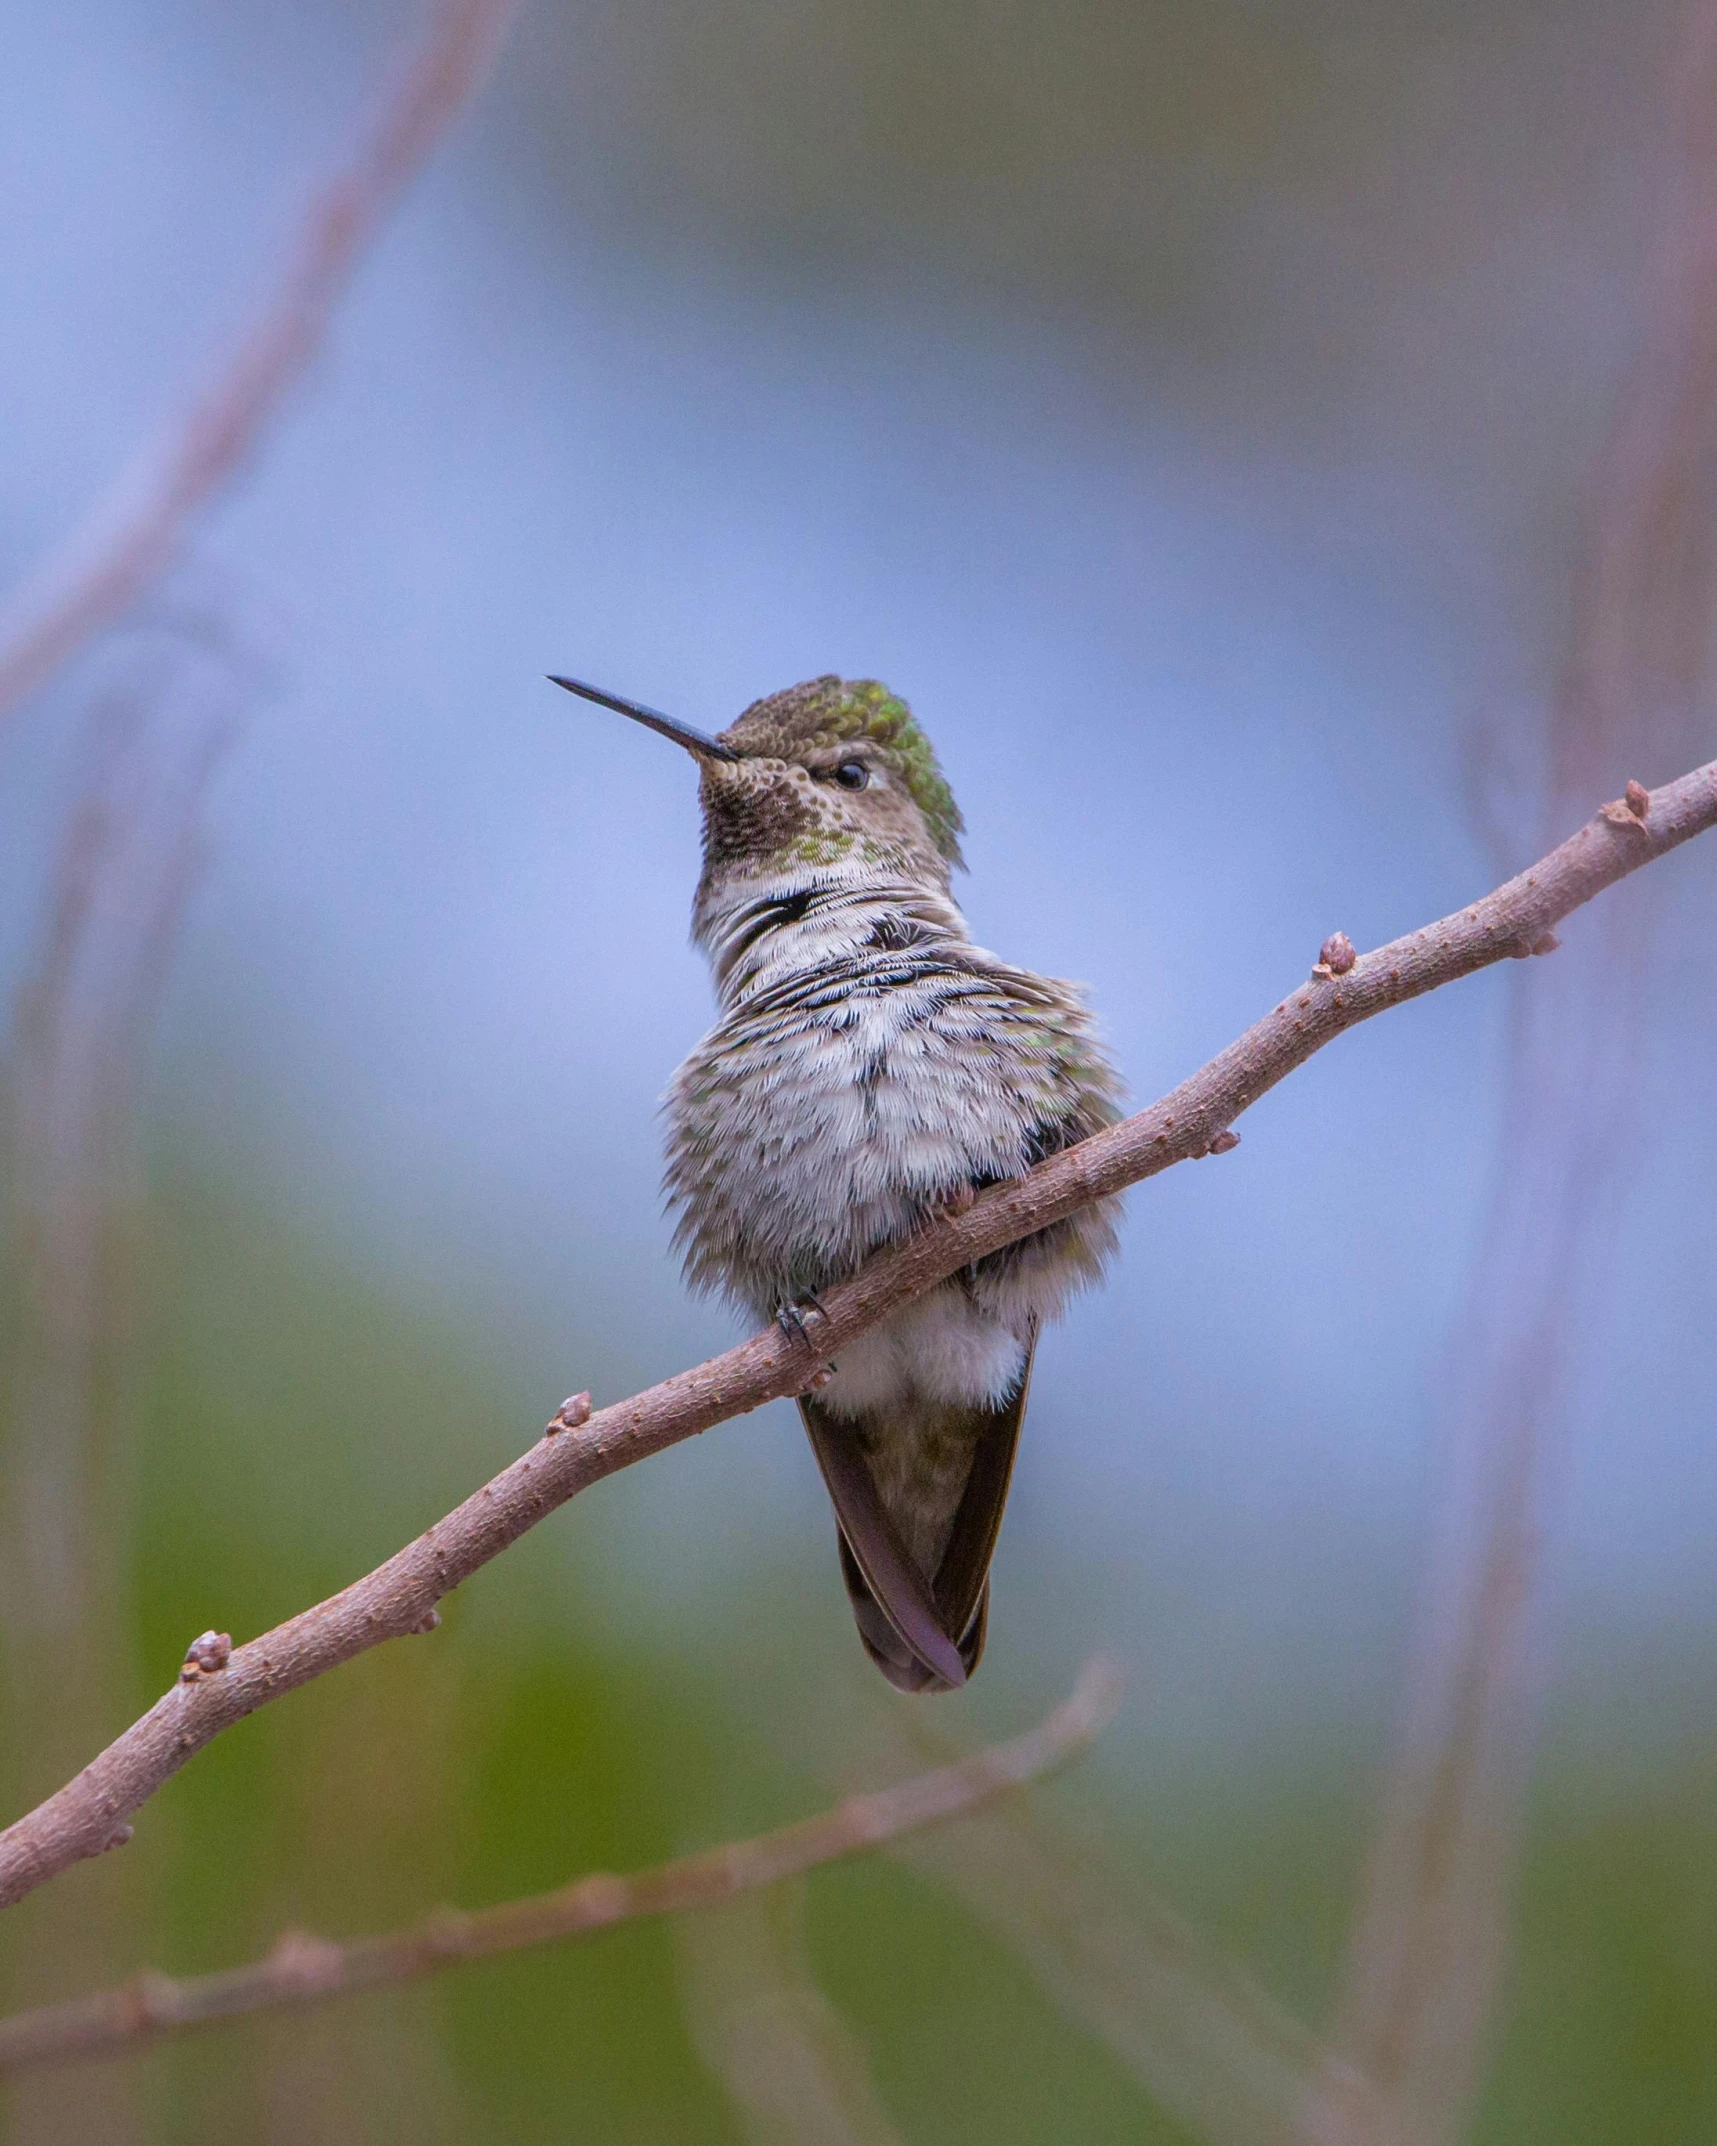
(1194, 410)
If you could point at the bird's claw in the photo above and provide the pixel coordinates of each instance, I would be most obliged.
(790, 1317)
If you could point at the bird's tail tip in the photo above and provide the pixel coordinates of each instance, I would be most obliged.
(903, 1668)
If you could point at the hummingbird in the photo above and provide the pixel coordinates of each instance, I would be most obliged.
(872, 1068)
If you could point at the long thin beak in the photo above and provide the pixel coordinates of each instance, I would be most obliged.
(694, 741)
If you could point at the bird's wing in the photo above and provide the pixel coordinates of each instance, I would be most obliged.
(962, 1579)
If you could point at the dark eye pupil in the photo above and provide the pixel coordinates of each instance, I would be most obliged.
(852, 775)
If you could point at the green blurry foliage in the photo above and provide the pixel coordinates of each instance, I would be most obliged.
(303, 1418)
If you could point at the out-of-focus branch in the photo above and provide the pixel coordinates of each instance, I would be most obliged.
(127, 858)
(131, 535)
(1641, 626)
(792, 2067)
(1199, 2034)
(1432, 1929)
(129, 855)
(578, 1449)
(304, 1970)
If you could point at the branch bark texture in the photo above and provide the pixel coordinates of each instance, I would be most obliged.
(131, 535)
(89, 1814)
(303, 1970)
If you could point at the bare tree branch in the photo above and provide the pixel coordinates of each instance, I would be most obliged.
(131, 535)
(303, 1970)
(89, 1814)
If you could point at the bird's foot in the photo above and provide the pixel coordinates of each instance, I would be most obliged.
(791, 1317)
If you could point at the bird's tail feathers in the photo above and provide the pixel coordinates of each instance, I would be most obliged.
(924, 1636)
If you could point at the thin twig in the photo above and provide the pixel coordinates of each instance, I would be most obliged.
(132, 534)
(303, 1970)
(579, 1449)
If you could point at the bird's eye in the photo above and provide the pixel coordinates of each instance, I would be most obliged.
(852, 774)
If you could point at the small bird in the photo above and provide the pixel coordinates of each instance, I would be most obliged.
(873, 1068)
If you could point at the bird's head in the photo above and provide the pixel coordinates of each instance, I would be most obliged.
(830, 777)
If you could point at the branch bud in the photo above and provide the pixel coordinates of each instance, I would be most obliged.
(206, 1656)
(1336, 956)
